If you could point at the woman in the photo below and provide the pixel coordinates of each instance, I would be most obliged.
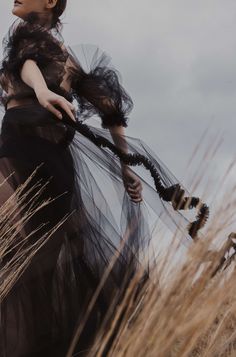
(101, 207)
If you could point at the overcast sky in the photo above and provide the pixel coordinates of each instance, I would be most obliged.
(177, 61)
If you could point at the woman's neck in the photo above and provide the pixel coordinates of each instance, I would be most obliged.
(42, 18)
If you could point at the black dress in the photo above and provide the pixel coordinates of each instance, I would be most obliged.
(63, 227)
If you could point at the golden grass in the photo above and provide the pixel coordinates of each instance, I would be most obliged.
(193, 313)
(15, 244)
(189, 310)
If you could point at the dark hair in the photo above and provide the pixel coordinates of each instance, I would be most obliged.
(57, 11)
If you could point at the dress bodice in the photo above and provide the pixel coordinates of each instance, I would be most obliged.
(29, 40)
(97, 91)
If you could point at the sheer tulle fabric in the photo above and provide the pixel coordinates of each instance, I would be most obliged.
(30, 40)
(79, 168)
(49, 299)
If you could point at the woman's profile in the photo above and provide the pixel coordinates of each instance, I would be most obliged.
(111, 187)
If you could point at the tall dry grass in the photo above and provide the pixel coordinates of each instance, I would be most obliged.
(16, 247)
(189, 310)
(191, 313)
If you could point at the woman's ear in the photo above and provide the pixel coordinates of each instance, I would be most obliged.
(51, 4)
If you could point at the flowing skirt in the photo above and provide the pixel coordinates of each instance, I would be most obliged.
(76, 186)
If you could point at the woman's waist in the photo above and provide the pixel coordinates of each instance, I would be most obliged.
(28, 112)
(29, 118)
(22, 98)
(20, 102)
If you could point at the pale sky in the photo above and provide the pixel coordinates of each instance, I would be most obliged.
(177, 61)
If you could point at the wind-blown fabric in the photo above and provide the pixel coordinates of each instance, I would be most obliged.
(79, 167)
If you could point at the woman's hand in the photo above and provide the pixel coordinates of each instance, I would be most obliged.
(49, 99)
(132, 184)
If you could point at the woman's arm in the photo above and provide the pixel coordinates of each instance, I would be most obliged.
(118, 135)
(32, 76)
(100, 92)
(131, 182)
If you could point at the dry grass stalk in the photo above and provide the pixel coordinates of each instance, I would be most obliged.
(192, 312)
(189, 310)
(16, 252)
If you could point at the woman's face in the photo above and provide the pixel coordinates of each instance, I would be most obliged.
(22, 8)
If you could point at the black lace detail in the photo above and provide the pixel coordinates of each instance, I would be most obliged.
(174, 194)
(99, 91)
(29, 40)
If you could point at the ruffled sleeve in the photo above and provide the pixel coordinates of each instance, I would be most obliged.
(98, 89)
(29, 40)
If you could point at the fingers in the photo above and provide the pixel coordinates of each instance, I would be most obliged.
(53, 110)
(64, 104)
(133, 188)
(137, 187)
(68, 108)
(135, 193)
(135, 184)
(138, 199)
